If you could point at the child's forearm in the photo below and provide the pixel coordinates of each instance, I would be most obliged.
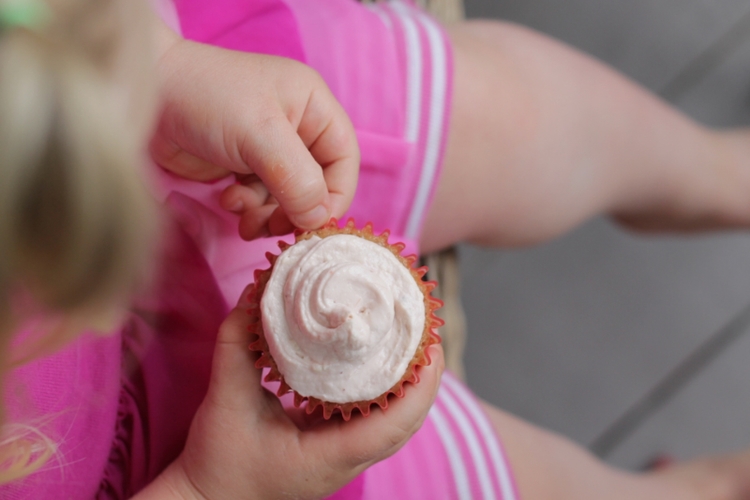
(172, 484)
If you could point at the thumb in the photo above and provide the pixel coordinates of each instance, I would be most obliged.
(235, 382)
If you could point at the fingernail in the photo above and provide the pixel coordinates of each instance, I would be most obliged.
(312, 219)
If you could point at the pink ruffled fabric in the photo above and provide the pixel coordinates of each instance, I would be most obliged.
(167, 350)
(119, 469)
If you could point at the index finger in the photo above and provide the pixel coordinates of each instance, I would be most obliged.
(329, 135)
(277, 155)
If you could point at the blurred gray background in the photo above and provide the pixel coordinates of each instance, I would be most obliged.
(571, 334)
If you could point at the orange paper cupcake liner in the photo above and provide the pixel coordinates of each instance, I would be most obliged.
(421, 357)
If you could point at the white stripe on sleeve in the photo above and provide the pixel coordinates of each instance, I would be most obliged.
(382, 15)
(413, 71)
(475, 449)
(435, 124)
(488, 435)
(460, 476)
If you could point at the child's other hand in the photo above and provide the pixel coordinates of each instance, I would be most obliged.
(271, 121)
(242, 444)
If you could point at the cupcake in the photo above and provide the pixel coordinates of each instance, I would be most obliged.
(343, 320)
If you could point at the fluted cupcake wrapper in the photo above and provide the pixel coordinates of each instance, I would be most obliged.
(421, 357)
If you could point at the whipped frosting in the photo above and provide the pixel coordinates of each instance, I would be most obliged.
(343, 318)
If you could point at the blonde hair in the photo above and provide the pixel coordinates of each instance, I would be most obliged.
(76, 222)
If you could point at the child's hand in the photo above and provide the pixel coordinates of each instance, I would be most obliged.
(271, 121)
(242, 444)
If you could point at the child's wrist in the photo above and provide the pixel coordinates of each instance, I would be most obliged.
(178, 480)
(172, 484)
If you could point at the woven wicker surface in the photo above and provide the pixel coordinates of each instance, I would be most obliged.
(444, 265)
(443, 268)
(447, 11)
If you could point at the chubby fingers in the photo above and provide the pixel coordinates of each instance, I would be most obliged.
(304, 187)
(235, 382)
(278, 157)
(250, 199)
(307, 155)
(362, 441)
(329, 135)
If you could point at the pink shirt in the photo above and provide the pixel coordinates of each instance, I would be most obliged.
(119, 407)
